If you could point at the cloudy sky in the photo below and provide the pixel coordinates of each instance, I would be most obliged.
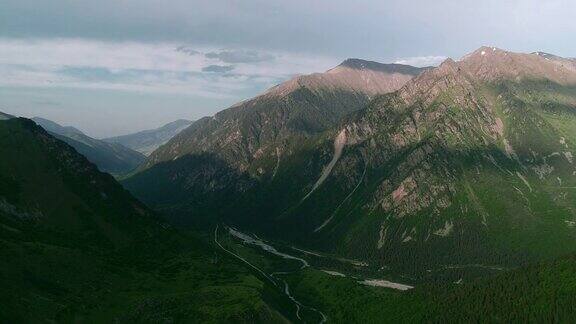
(111, 67)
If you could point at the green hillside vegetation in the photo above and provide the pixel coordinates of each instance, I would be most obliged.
(76, 247)
(543, 293)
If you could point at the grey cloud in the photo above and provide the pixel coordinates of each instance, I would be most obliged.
(218, 68)
(187, 50)
(239, 56)
(372, 29)
(88, 73)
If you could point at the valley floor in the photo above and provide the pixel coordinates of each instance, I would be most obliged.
(330, 289)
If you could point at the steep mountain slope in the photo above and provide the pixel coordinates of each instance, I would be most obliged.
(109, 157)
(147, 141)
(468, 165)
(216, 154)
(76, 247)
(300, 107)
(32, 161)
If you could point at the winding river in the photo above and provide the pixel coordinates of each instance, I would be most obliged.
(281, 284)
(273, 277)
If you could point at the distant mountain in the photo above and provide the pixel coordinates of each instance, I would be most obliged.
(147, 141)
(56, 128)
(467, 164)
(109, 157)
(555, 57)
(360, 65)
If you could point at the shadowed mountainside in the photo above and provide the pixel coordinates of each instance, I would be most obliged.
(113, 158)
(76, 247)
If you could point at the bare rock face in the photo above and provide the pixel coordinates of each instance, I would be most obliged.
(491, 63)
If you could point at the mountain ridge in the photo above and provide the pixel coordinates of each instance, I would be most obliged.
(44, 154)
(113, 158)
(273, 114)
(361, 64)
(147, 141)
(4, 116)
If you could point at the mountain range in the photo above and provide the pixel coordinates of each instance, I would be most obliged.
(298, 108)
(468, 161)
(113, 158)
(147, 141)
(222, 154)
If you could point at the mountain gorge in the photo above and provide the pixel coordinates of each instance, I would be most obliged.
(109, 157)
(147, 141)
(468, 165)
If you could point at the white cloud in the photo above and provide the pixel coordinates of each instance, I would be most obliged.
(421, 61)
(148, 67)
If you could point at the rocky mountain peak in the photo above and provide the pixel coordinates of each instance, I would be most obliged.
(359, 64)
(484, 52)
(353, 75)
(492, 63)
(399, 173)
(302, 106)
